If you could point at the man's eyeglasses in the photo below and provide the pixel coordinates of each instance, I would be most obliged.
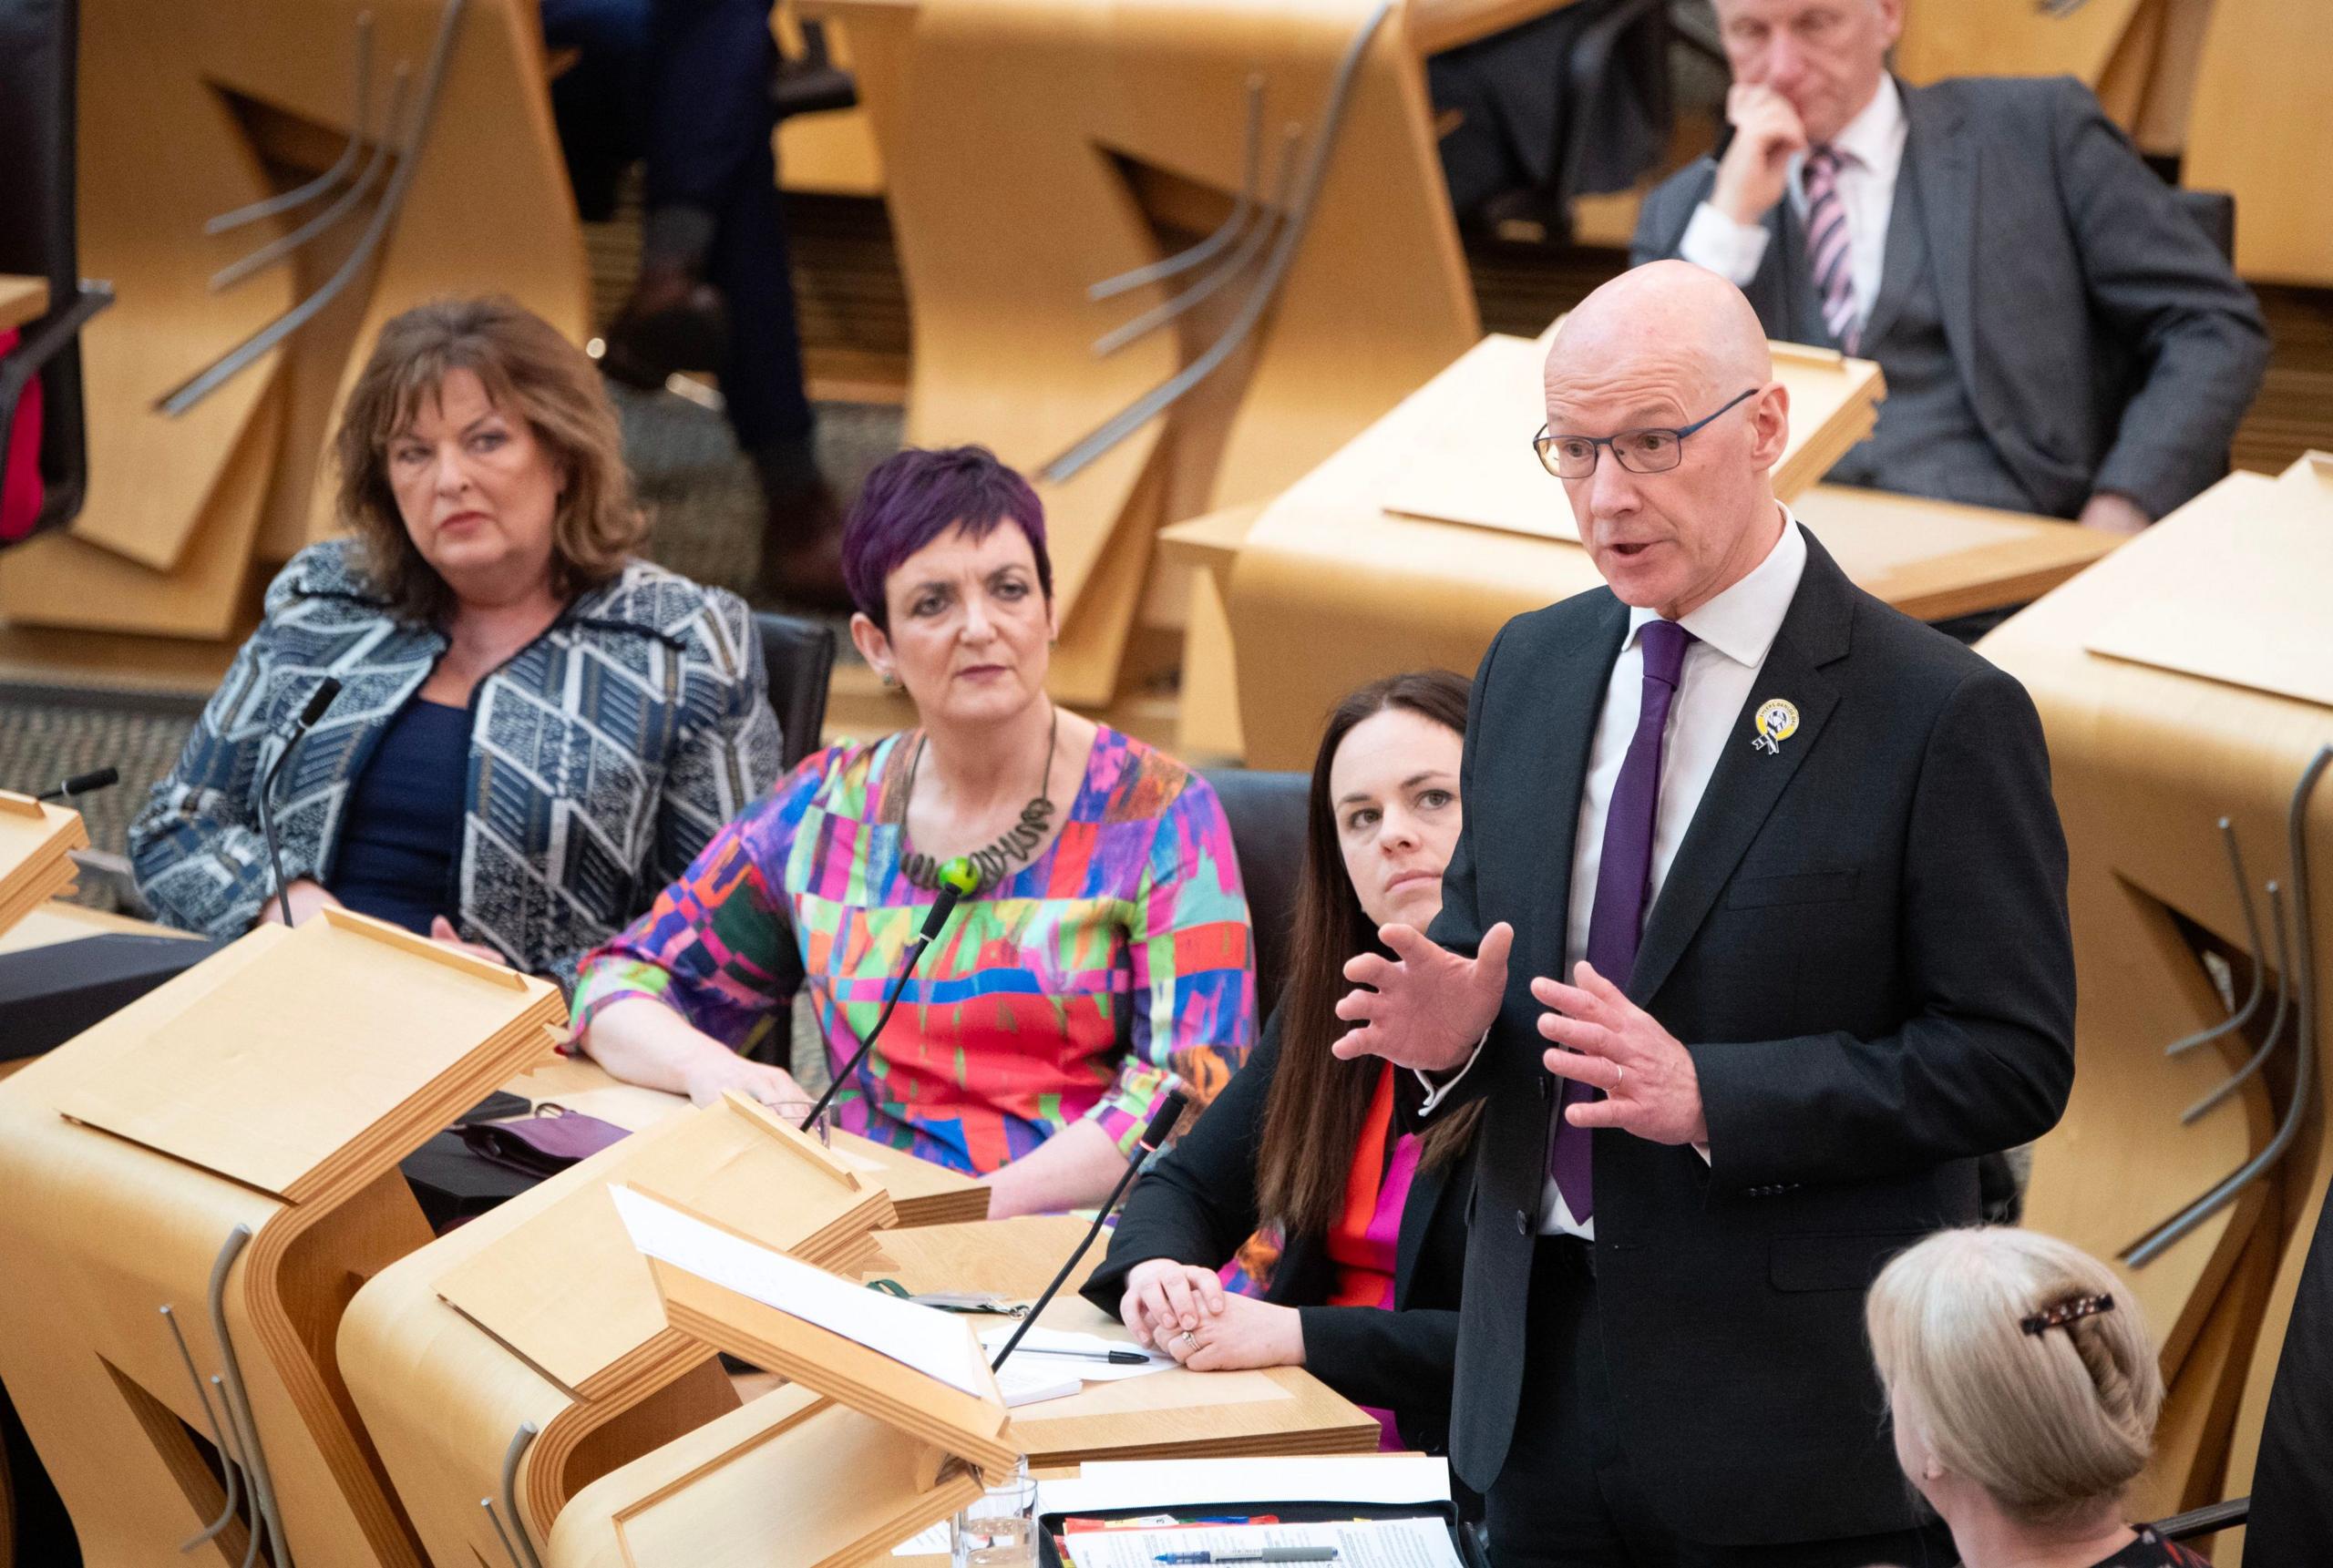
(1648, 451)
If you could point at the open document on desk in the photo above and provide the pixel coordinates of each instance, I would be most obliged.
(1358, 1543)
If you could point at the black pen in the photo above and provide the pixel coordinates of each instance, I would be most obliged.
(1116, 1358)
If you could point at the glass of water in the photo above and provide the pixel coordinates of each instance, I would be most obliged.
(999, 1529)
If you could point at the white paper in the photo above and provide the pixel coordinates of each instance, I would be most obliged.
(1104, 1485)
(936, 1542)
(1038, 1341)
(933, 1342)
(1360, 1543)
(1037, 1380)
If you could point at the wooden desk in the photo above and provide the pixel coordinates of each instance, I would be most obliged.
(1176, 1414)
(1330, 585)
(924, 1193)
(2145, 759)
(736, 1472)
(21, 299)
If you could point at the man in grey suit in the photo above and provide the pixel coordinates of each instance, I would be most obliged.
(2058, 336)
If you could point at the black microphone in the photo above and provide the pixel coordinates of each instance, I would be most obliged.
(1161, 1128)
(957, 878)
(318, 701)
(83, 783)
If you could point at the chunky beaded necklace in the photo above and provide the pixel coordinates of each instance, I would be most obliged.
(996, 858)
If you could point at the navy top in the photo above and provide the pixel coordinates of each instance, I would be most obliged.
(404, 832)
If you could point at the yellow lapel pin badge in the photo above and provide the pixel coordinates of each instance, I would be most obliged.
(1777, 722)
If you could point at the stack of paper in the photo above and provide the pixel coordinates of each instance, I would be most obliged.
(332, 1054)
(35, 841)
(566, 1289)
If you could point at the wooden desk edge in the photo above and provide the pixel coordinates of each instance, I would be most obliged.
(22, 299)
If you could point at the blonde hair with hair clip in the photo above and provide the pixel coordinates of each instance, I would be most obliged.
(2050, 1423)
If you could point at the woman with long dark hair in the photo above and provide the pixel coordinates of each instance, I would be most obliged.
(1305, 1167)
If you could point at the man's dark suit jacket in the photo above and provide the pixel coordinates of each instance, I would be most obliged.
(1863, 942)
(2103, 342)
(1198, 1205)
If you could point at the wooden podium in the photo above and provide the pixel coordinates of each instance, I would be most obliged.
(728, 1486)
(1413, 544)
(2188, 679)
(195, 1187)
(521, 1355)
(858, 1452)
(37, 842)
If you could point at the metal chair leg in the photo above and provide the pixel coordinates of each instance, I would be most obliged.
(341, 165)
(1227, 231)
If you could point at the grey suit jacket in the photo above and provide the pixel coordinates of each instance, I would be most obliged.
(2104, 343)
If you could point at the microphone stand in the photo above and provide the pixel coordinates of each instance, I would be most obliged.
(83, 783)
(318, 701)
(942, 905)
(1161, 1128)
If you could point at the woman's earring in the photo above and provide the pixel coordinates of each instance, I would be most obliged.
(890, 682)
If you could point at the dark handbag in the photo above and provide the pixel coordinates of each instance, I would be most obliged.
(543, 1144)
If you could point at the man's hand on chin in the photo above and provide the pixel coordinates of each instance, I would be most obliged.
(1425, 1008)
(2112, 514)
(1651, 1088)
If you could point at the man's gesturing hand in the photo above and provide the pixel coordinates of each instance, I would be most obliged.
(1651, 1088)
(1425, 1006)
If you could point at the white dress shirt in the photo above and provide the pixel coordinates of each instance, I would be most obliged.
(1871, 155)
(1733, 633)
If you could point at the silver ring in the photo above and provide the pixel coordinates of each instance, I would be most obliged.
(1620, 1075)
(1188, 1337)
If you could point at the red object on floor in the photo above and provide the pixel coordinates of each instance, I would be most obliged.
(21, 498)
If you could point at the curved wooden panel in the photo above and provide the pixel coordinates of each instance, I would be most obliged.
(2261, 121)
(160, 154)
(2146, 759)
(1055, 118)
(2012, 39)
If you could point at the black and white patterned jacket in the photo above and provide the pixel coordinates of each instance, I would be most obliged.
(602, 756)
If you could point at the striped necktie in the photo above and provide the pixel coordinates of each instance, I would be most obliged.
(1827, 246)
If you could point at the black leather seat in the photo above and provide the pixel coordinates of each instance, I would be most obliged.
(1266, 811)
(38, 52)
(800, 657)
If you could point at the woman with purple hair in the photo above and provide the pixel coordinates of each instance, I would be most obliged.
(1104, 959)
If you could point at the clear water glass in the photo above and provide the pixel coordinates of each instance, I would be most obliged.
(999, 1529)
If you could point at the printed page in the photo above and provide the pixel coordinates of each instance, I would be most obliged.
(934, 1343)
(1359, 1544)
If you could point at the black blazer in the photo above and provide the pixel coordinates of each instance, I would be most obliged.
(1197, 1204)
(2104, 343)
(1863, 942)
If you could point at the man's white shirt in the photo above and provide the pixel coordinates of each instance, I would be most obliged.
(1871, 156)
(1733, 633)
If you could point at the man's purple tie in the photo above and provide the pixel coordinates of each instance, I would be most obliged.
(1623, 877)
(1827, 247)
